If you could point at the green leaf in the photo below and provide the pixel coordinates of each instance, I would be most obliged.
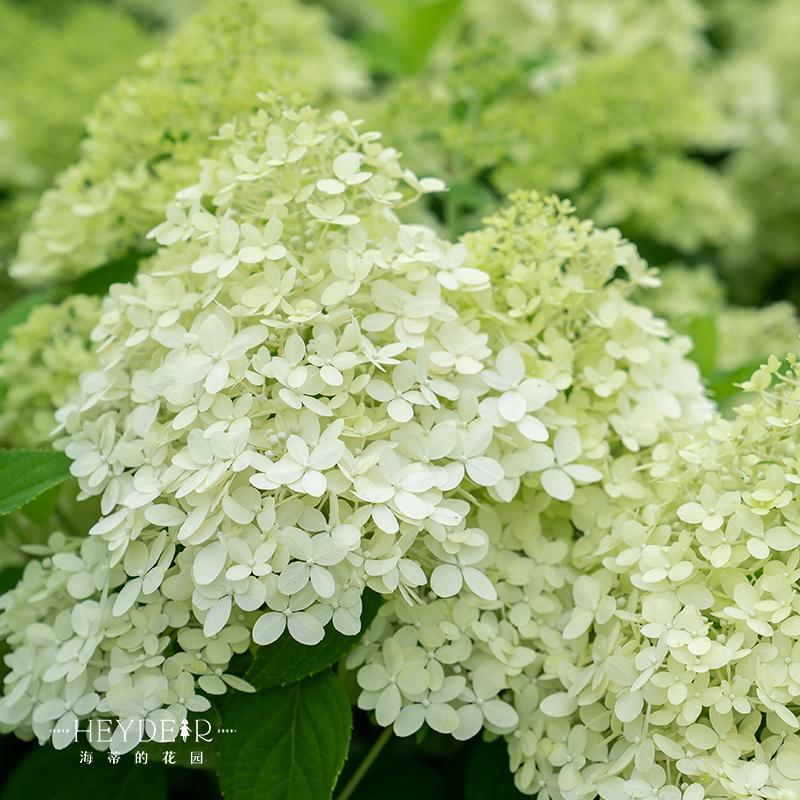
(121, 270)
(724, 384)
(39, 510)
(286, 660)
(408, 34)
(59, 775)
(488, 774)
(289, 743)
(18, 312)
(704, 334)
(25, 474)
(9, 578)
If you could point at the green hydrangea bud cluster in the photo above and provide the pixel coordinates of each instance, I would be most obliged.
(747, 333)
(40, 365)
(745, 336)
(47, 90)
(591, 25)
(147, 134)
(686, 292)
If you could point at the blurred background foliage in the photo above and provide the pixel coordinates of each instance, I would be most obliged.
(56, 58)
(677, 121)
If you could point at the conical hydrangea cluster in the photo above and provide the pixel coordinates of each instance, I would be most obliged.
(653, 657)
(624, 387)
(698, 665)
(302, 398)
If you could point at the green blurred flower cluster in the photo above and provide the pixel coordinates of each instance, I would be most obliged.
(676, 121)
(146, 135)
(608, 103)
(759, 79)
(54, 62)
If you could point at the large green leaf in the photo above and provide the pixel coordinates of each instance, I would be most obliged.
(289, 743)
(287, 661)
(59, 775)
(25, 474)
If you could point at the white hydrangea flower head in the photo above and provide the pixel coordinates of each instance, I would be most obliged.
(273, 402)
(610, 386)
(286, 411)
(301, 398)
(656, 655)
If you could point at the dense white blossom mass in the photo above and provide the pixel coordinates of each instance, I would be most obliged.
(301, 398)
(656, 656)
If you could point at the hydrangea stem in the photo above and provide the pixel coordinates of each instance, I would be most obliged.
(365, 764)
